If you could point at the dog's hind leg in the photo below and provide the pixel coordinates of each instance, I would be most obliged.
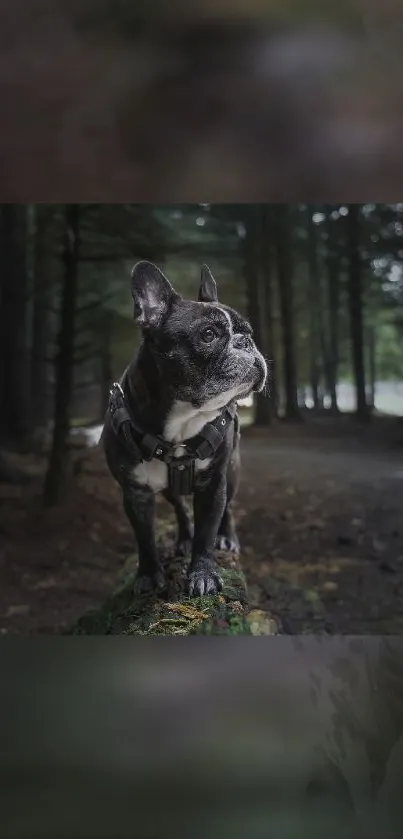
(184, 538)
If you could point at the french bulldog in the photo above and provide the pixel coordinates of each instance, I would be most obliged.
(172, 424)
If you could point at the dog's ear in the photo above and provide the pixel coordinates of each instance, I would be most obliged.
(152, 293)
(208, 286)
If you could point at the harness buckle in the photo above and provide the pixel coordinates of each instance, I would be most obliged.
(150, 445)
(116, 386)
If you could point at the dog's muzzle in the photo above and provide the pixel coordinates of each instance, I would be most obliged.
(261, 373)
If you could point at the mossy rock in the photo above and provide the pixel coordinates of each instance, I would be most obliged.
(172, 611)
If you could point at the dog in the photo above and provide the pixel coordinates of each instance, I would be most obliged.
(172, 423)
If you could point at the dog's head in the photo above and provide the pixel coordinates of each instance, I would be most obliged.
(204, 350)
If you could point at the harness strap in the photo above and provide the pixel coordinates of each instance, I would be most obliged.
(209, 439)
(148, 446)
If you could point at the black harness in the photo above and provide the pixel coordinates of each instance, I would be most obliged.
(144, 447)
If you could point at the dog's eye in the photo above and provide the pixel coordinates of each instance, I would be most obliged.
(208, 335)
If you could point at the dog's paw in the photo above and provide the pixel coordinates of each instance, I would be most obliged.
(149, 583)
(204, 581)
(227, 543)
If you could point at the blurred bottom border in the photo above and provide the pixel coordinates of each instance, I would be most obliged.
(232, 737)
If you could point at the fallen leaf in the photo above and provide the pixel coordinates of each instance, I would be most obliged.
(237, 607)
(49, 582)
(329, 585)
(187, 611)
(311, 596)
(345, 562)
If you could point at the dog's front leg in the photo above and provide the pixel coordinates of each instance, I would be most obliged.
(209, 505)
(139, 505)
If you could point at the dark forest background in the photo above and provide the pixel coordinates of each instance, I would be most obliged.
(318, 509)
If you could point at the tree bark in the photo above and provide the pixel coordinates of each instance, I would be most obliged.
(333, 301)
(40, 319)
(106, 362)
(314, 302)
(355, 305)
(267, 263)
(14, 354)
(56, 477)
(371, 344)
(257, 284)
(284, 276)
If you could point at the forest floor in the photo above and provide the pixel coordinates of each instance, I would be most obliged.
(319, 516)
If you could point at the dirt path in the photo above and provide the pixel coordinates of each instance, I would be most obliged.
(320, 522)
(321, 526)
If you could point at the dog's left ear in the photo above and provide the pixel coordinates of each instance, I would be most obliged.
(208, 286)
(152, 293)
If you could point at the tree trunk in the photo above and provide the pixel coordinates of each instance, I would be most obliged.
(284, 276)
(314, 304)
(371, 344)
(106, 362)
(267, 263)
(56, 476)
(333, 300)
(355, 304)
(14, 357)
(40, 319)
(257, 282)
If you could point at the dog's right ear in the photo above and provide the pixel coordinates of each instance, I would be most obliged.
(152, 293)
(208, 286)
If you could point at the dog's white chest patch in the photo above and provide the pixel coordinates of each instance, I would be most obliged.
(183, 422)
(153, 474)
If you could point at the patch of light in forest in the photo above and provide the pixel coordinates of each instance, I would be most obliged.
(379, 263)
(176, 214)
(343, 211)
(368, 209)
(247, 402)
(317, 218)
(200, 221)
(395, 273)
(241, 230)
(91, 435)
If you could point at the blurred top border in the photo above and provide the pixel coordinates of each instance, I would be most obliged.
(235, 101)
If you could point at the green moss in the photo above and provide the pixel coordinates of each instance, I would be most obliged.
(172, 611)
